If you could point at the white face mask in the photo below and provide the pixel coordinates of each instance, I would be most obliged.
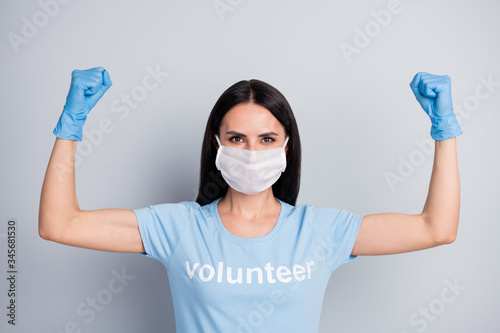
(250, 171)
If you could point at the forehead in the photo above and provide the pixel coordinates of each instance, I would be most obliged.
(250, 117)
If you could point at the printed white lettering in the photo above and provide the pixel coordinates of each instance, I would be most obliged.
(235, 275)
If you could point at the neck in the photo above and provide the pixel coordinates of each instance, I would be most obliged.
(249, 206)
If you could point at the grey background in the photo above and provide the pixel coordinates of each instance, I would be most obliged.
(356, 120)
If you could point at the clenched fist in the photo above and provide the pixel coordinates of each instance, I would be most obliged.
(87, 87)
(433, 92)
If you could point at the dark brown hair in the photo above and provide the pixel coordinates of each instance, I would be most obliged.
(212, 184)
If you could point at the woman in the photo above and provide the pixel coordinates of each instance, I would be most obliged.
(243, 257)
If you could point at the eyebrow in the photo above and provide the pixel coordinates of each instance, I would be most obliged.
(241, 134)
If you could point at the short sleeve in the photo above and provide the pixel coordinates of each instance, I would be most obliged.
(161, 227)
(337, 231)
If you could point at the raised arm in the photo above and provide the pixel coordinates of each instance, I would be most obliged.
(60, 218)
(437, 224)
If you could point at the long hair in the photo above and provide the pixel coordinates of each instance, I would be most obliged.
(212, 184)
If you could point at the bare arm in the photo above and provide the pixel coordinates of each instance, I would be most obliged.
(442, 207)
(390, 233)
(61, 220)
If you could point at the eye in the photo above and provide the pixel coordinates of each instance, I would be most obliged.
(271, 139)
(231, 139)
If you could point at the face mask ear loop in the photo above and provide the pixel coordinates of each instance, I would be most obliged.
(217, 137)
(286, 140)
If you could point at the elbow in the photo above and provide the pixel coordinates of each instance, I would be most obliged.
(443, 231)
(44, 232)
(51, 225)
(445, 239)
(43, 224)
(47, 229)
(50, 234)
(448, 240)
(452, 238)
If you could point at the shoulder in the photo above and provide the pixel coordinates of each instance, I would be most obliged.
(310, 211)
(170, 209)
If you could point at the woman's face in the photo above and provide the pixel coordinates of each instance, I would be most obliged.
(251, 126)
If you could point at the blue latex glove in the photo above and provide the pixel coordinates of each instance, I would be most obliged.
(87, 87)
(433, 92)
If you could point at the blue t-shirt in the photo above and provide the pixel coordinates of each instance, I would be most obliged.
(224, 283)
